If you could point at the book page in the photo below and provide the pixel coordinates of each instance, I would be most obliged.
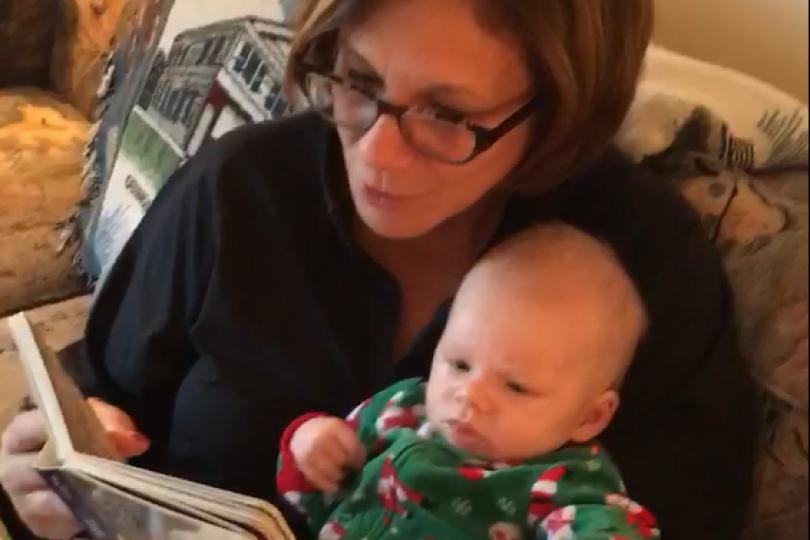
(193, 489)
(185, 496)
(71, 423)
(109, 513)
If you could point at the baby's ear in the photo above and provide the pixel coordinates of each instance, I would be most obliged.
(597, 417)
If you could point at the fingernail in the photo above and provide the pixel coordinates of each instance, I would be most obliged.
(138, 438)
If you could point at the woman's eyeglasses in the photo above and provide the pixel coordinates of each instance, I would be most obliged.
(430, 133)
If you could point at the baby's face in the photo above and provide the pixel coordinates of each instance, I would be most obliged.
(513, 379)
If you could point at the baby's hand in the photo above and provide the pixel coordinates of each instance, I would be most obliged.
(324, 448)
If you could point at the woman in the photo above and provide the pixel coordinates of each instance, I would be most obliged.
(298, 266)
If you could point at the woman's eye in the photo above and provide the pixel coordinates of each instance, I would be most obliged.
(447, 114)
(363, 82)
(517, 388)
(460, 365)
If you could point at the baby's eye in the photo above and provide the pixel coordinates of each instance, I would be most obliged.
(517, 388)
(460, 365)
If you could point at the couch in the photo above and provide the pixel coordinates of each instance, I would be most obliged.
(53, 54)
(48, 105)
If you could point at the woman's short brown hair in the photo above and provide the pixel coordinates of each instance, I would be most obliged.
(584, 56)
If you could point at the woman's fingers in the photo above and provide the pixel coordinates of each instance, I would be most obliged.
(46, 515)
(25, 433)
(129, 443)
(120, 428)
(39, 508)
(110, 416)
(18, 476)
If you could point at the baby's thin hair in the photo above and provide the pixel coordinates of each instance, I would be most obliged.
(557, 243)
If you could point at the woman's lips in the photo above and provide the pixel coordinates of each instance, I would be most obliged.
(382, 199)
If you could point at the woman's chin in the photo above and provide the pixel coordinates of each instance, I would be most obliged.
(394, 225)
(394, 231)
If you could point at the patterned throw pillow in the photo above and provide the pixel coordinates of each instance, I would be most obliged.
(749, 123)
(760, 225)
(737, 150)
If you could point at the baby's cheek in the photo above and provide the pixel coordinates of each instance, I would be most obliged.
(430, 400)
(527, 434)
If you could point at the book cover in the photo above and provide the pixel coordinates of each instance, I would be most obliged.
(208, 67)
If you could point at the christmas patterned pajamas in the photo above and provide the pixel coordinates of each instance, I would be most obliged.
(416, 486)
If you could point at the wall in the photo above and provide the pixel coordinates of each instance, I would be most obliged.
(764, 38)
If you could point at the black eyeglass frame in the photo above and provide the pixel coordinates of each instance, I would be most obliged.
(484, 137)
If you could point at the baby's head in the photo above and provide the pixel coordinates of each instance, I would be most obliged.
(539, 338)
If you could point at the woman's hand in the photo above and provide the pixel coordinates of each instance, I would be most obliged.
(39, 507)
(324, 448)
(120, 428)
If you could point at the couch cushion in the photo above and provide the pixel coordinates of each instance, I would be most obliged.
(41, 146)
(84, 36)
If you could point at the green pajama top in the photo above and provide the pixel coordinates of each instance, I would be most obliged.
(416, 486)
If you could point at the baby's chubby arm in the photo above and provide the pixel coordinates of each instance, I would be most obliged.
(325, 448)
(317, 449)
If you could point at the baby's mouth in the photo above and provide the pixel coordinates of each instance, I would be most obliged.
(465, 436)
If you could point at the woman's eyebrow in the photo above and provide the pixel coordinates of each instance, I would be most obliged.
(440, 90)
(358, 59)
(449, 91)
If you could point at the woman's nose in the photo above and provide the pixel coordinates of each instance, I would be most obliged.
(383, 148)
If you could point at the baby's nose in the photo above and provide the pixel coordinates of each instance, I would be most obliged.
(476, 398)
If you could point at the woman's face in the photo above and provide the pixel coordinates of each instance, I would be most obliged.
(431, 54)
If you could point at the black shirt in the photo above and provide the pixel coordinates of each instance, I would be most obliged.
(241, 302)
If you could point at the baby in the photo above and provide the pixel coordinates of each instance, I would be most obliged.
(499, 443)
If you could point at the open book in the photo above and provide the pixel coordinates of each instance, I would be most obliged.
(116, 501)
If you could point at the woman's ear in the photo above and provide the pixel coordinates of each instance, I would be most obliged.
(597, 417)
